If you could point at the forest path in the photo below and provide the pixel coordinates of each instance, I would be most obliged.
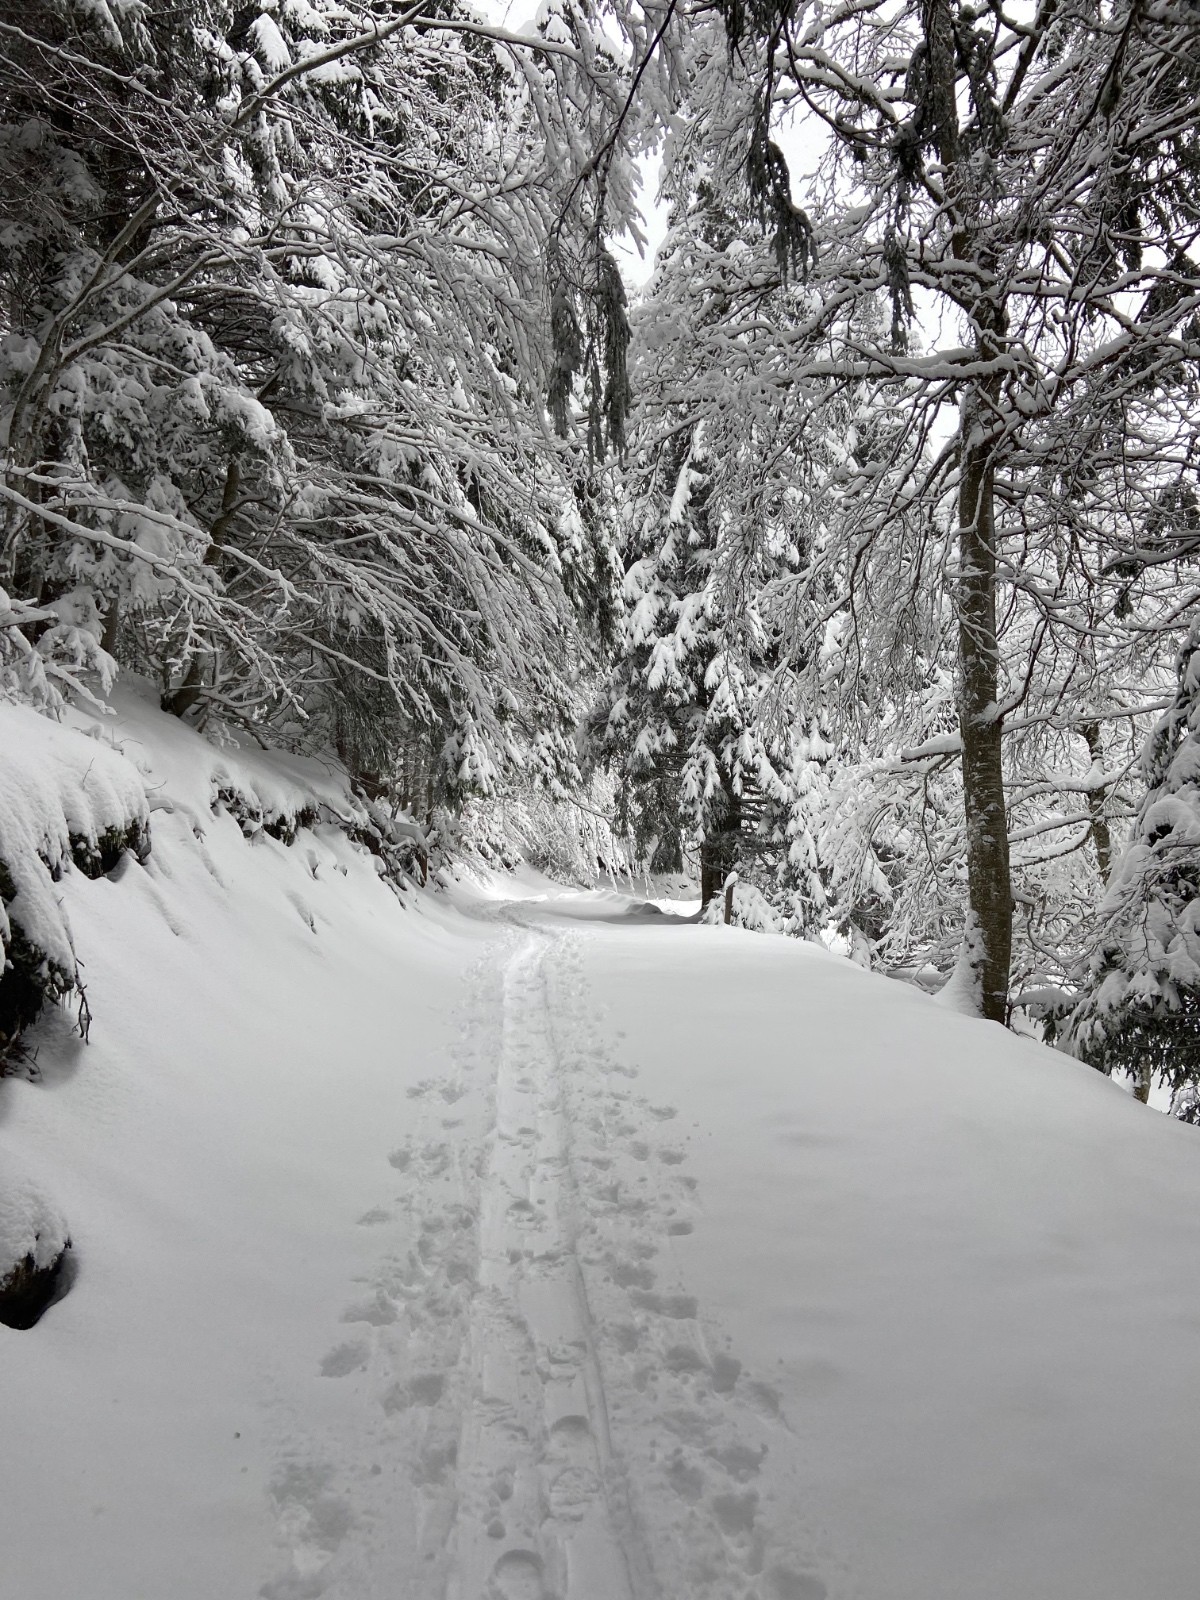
(540, 1501)
(537, 1408)
(611, 1447)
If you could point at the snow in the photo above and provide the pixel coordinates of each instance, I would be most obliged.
(517, 1241)
(56, 786)
(183, 772)
(30, 1225)
(269, 43)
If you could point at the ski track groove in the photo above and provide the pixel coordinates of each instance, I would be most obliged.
(541, 1505)
(535, 1408)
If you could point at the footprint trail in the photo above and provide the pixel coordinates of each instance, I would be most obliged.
(542, 1506)
(524, 1400)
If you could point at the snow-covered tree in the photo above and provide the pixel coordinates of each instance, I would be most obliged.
(281, 364)
(715, 751)
(1017, 191)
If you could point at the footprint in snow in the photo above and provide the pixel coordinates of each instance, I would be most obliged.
(313, 1521)
(572, 1493)
(739, 1460)
(517, 1576)
(784, 1584)
(380, 1312)
(296, 1586)
(628, 1276)
(725, 1373)
(424, 1390)
(686, 1480)
(735, 1513)
(679, 1307)
(682, 1358)
(344, 1359)
(436, 1157)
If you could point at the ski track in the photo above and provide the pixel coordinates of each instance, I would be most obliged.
(529, 1405)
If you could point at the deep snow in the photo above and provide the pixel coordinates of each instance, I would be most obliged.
(526, 1244)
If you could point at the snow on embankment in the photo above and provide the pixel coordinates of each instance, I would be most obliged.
(64, 800)
(259, 1010)
(66, 803)
(75, 800)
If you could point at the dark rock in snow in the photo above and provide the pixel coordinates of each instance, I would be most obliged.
(29, 1288)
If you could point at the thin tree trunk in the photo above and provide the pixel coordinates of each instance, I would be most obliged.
(711, 877)
(112, 627)
(719, 849)
(989, 884)
(192, 687)
(1101, 835)
(1145, 1077)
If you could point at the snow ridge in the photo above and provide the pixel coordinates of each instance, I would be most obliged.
(542, 1507)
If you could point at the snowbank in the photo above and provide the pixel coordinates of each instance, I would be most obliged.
(33, 1242)
(29, 1224)
(260, 1011)
(64, 798)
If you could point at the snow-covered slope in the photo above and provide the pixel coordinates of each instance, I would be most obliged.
(514, 1245)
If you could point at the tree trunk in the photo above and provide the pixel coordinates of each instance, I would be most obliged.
(1101, 836)
(185, 697)
(989, 885)
(112, 627)
(189, 691)
(711, 876)
(719, 850)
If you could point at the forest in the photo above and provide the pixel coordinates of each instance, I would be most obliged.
(851, 560)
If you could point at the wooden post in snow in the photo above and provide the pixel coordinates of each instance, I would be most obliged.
(730, 886)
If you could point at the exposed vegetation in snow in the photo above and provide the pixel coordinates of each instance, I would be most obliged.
(66, 801)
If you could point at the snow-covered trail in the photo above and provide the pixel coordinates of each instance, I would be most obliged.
(540, 1499)
(557, 1424)
(554, 1249)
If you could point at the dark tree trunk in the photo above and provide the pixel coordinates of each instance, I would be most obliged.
(192, 687)
(719, 850)
(189, 691)
(989, 885)
(710, 871)
(1101, 836)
